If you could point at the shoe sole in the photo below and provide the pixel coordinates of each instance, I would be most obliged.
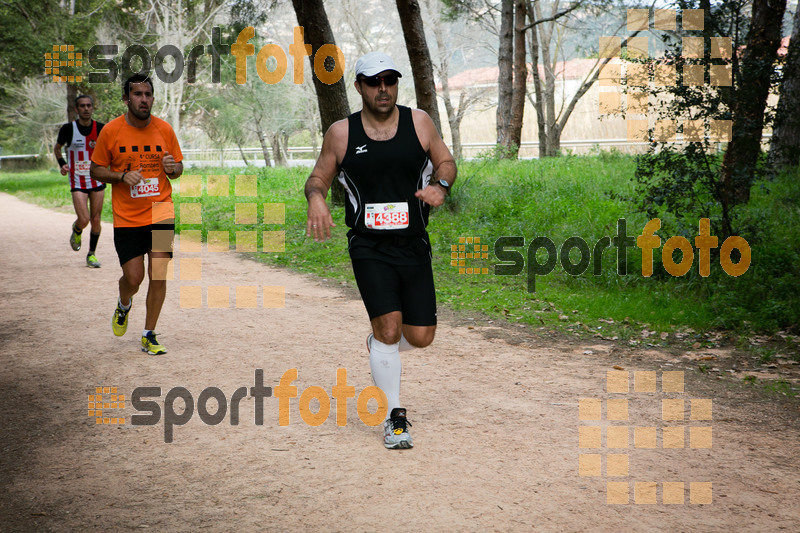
(403, 445)
(148, 352)
(92, 266)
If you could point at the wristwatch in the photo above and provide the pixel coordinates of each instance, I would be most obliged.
(444, 184)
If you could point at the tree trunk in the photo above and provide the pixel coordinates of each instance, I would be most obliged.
(537, 83)
(552, 143)
(505, 77)
(783, 149)
(455, 126)
(420, 58)
(444, 75)
(285, 146)
(72, 90)
(314, 148)
(72, 94)
(241, 152)
(451, 114)
(739, 163)
(261, 139)
(520, 80)
(277, 153)
(455, 136)
(332, 99)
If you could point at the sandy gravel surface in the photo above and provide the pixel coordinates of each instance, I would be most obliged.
(495, 413)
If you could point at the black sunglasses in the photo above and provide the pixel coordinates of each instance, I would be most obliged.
(374, 81)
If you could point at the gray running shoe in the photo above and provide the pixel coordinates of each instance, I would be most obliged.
(395, 430)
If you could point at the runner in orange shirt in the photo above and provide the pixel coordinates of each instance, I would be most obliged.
(137, 153)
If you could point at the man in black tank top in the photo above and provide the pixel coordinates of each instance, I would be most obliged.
(394, 167)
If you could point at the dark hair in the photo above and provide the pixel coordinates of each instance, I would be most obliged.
(81, 97)
(136, 78)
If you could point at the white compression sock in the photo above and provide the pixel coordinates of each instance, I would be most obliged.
(384, 362)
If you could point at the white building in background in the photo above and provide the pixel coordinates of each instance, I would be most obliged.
(587, 126)
(585, 123)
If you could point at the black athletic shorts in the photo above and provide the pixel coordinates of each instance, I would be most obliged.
(100, 187)
(386, 287)
(133, 242)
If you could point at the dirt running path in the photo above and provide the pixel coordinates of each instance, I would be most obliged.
(496, 424)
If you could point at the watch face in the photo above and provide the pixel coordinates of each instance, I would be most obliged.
(444, 184)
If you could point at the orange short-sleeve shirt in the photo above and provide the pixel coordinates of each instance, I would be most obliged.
(123, 147)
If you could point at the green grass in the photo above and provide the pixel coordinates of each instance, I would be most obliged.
(554, 198)
(45, 188)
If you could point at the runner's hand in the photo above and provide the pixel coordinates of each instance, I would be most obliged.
(132, 177)
(169, 163)
(320, 221)
(64, 170)
(433, 195)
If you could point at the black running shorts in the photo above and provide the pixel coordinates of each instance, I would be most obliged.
(100, 187)
(133, 242)
(386, 287)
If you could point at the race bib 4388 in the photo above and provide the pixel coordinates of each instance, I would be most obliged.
(386, 216)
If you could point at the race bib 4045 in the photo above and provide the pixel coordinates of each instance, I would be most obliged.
(146, 187)
(386, 216)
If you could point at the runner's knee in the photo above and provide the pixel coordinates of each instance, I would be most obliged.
(134, 279)
(419, 337)
(387, 331)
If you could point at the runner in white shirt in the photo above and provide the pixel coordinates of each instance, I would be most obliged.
(87, 194)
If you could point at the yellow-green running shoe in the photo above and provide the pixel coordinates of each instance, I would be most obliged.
(151, 345)
(119, 322)
(91, 261)
(75, 240)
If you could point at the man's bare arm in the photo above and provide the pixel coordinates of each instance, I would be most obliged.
(103, 174)
(318, 184)
(444, 166)
(57, 152)
(172, 169)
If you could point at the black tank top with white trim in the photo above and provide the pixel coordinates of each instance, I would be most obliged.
(385, 172)
(380, 179)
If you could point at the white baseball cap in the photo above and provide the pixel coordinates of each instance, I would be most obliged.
(374, 63)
